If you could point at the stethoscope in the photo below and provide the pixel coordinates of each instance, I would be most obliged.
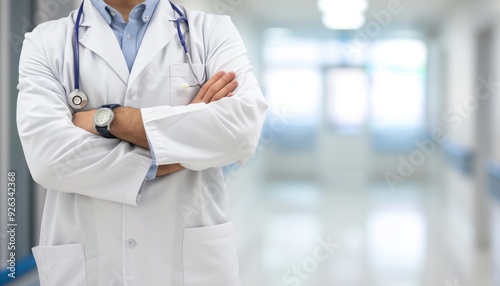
(78, 99)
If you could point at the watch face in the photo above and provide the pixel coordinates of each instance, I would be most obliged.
(102, 117)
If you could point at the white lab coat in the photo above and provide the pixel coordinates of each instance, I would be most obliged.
(103, 224)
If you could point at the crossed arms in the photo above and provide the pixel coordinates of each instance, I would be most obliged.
(128, 124)
(210, 132)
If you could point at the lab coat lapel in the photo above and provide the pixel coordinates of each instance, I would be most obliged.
(160, 32)
(100, 39)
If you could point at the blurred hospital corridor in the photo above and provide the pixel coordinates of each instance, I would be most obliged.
(379, 161)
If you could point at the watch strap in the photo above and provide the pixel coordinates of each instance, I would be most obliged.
(111, 106)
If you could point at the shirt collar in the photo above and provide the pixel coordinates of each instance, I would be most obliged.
(106, 11)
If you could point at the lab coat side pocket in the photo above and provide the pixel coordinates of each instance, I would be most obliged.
(209, 256)
(183, 83)
(61, 265)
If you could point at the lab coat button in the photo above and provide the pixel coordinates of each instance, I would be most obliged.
(131, 243)
(132, 93)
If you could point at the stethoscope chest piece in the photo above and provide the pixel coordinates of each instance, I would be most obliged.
(78, 99)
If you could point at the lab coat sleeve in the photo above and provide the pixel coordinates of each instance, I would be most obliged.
(202, 136)
(60, 155)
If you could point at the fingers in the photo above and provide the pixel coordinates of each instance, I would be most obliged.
(221, 85)
(207, 85)
(221, 88)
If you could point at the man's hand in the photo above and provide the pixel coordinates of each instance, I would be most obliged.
(164, 170)
(221, 85)
(85, 120)
(128, 124)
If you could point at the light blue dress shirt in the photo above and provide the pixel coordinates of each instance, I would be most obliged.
(129, 35)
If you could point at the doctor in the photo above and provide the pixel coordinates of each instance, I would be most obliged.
(132, 163)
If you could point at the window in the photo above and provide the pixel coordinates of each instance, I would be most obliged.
(292, 77)
(397, 70)
(293, 85)
(296, 92)
(347, 98)
(398, 77)
(349, 85)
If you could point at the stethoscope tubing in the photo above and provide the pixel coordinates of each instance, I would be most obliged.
(182, 40)
(81, 96)
(76, 50)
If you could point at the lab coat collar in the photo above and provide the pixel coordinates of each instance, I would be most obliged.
(160, 32)
(100, 38)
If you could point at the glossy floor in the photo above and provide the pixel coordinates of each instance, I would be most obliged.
(304, 232)
(309, 233)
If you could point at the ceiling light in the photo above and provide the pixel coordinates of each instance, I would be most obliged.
(344, 21)
(332, 6)
(343, 14)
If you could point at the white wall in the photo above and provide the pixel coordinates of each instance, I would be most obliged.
(467, 206)
(459, 46)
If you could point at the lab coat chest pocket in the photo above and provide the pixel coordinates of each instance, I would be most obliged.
(209, 256)
(61, 265)
(180, 77)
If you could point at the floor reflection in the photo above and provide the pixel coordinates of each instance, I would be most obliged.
(384, 237)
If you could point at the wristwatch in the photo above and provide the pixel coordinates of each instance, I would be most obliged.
(103, 118)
